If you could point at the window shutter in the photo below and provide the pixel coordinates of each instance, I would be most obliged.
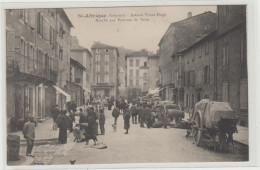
(39, 23)
(32, 18)
(26, 15)
(208, 78)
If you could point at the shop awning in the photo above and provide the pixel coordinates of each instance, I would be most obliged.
(59, 90)
(86, 89)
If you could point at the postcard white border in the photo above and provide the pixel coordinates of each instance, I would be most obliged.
(253, 77)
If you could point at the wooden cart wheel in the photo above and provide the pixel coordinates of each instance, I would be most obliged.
(197, 134)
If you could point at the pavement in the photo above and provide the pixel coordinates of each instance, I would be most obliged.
(242, 135)
(44, 134)
(141, 145)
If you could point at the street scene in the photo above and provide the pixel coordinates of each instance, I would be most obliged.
(162, 84)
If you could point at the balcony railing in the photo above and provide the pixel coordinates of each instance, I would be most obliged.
(24, 64)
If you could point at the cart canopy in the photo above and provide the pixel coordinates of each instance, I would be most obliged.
(215, 111)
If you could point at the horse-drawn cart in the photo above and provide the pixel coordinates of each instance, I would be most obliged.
(213, 124)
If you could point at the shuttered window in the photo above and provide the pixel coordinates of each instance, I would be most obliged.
(243, 94)
(186, 77)
(192, 78)
(225, 92)
(206, 74)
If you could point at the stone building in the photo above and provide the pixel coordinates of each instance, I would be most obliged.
(137, 74)
(199, 70)
(76, 82)
(153, 71)
(32, 62)
(63, 27)
(83, 56)
(231, 59)
(104, 70)
(122, 91)
(179, 36)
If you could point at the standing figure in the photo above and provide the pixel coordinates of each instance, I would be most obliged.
(63, 122)
(115, 114)
(76, 132)
(72, 118)
(133, 111)
(102, 120)
(29, 135)
(142, 115)
(55, 113)
(90, 130)
(148, 116)
(126, 120)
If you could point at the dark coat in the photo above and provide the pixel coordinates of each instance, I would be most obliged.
(127, 119)
(133, 110)
(63, 121)
(102, 118)
(148, 114)
(55, 113)
(91, 118)
(115, 112)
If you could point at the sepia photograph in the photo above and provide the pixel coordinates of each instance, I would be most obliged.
(126, 85)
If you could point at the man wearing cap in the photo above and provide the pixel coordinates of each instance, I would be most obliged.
(29, 135)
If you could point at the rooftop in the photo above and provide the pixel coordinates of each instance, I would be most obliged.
(72, 61)
(142, 53)
(63, 13)
(186, 32)
(101, 45)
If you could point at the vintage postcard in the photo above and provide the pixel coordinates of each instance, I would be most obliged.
(126, 85)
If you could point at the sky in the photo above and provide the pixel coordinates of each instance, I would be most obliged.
(134, 28)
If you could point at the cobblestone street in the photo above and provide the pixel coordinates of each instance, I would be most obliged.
(142, 145)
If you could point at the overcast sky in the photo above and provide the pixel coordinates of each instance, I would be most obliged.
(135, 33)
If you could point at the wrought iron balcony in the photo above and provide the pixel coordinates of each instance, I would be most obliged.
(19, 62)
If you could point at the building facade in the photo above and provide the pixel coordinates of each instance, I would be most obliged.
(179, 36)
(153, 71)
(63, 27)
(137, 74)
(83, 56)
(76, 82)
(199, 70)
(32, 63)
(104, 70)
(231, 59)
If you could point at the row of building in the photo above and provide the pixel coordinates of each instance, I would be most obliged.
(46, 66)
(204, 56)
(142, 73)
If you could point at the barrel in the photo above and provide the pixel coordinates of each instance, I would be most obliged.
(13, 147)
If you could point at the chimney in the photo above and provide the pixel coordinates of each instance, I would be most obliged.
(189, 14)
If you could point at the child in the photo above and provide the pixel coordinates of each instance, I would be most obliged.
(76, 132)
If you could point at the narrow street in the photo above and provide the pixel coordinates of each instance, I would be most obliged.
(141, 145)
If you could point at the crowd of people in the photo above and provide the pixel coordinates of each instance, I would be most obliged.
(92, 115)
(143, 113)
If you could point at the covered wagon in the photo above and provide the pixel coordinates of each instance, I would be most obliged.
(213, 124)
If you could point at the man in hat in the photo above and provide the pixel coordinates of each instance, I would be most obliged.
(29, 135)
